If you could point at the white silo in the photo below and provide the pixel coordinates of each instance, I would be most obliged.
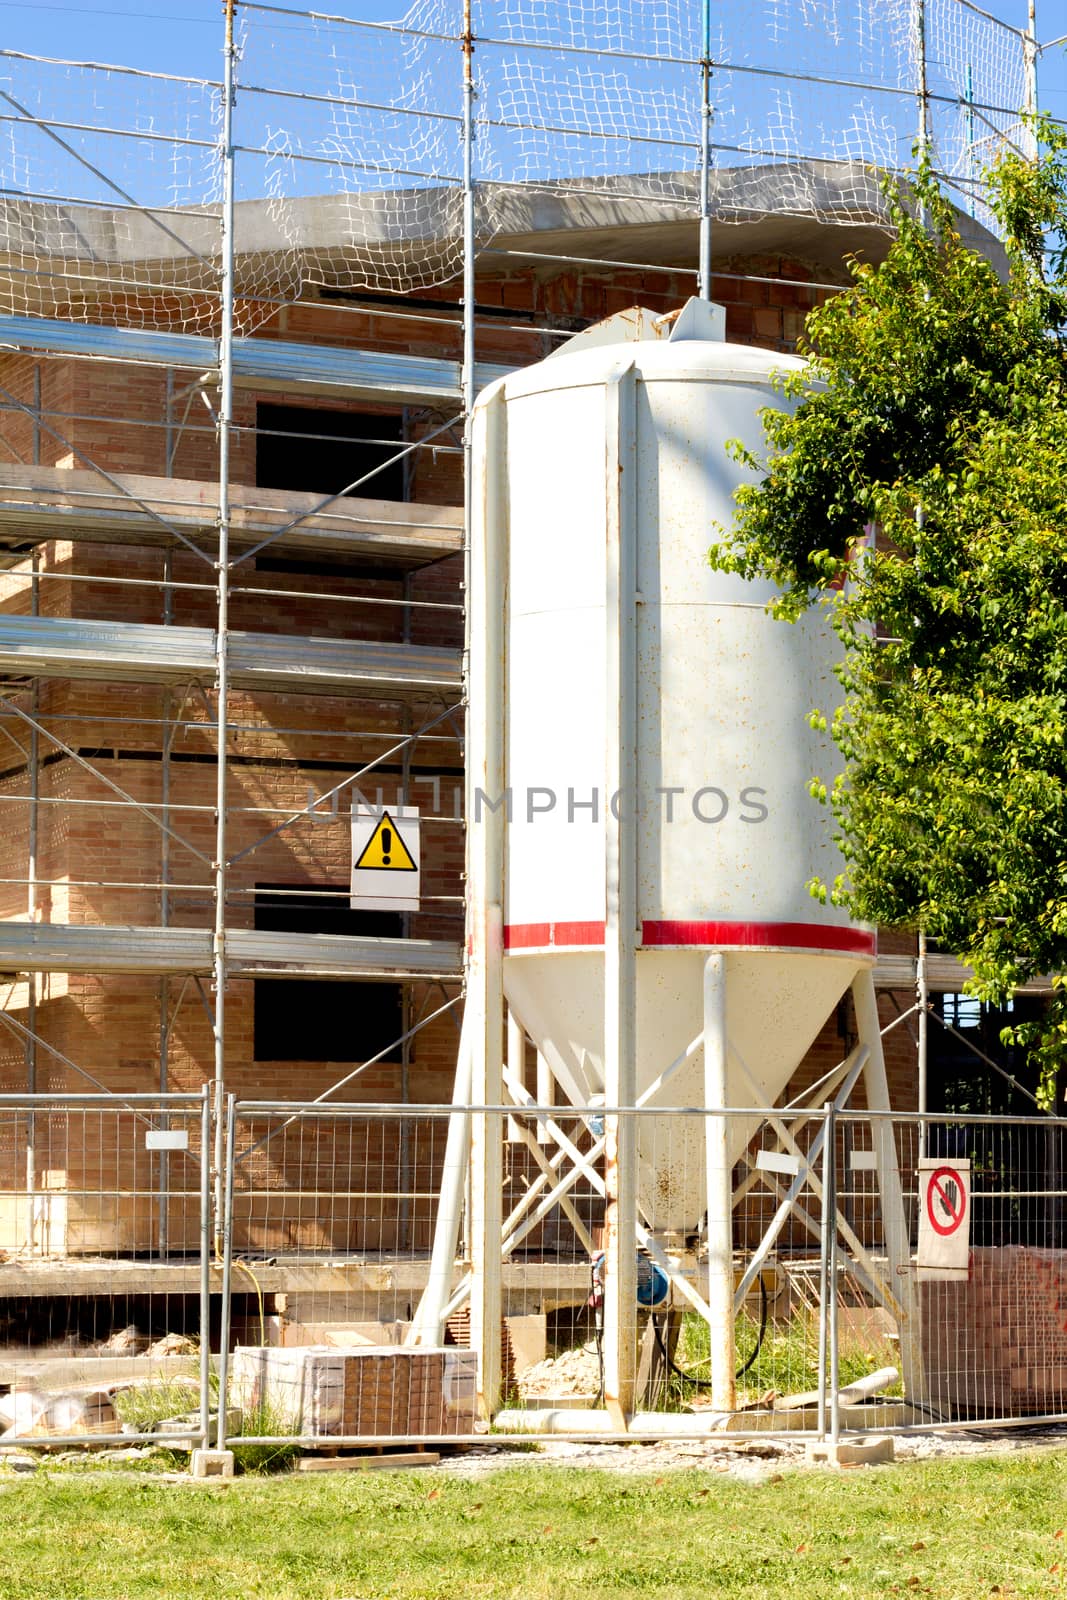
(641, 831)
(725, 834)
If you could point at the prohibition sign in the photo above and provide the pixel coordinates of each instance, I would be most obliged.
(945, 1185)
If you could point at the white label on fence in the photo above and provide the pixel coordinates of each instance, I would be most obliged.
(778, 1161)
(863, 1160)
(944, 1217)
(166, 1139)
(385, 858)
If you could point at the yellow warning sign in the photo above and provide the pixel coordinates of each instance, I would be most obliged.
(386, 850)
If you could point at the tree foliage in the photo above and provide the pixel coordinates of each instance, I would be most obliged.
(934, 408)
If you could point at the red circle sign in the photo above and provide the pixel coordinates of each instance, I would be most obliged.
(945, 1192)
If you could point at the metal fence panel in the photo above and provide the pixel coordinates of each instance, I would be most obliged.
(101, 1340)
(994, 1338)
(329, 1227)
(327, 1230)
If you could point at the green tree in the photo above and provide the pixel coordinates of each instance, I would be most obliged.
(934, 407)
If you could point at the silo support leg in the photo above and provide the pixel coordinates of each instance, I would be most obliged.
(890, 1189)
(620, 897)
(485, 998)
(720, 1190)
(429, 1321)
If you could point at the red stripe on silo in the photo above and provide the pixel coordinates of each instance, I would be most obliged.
(754, 935)
(664, 935)
(547, 935)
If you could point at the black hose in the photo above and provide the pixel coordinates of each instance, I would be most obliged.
(758, 1346)
(705, 1383)
(598, 1324)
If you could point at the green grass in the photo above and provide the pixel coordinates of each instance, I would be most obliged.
(145, 1404)
(788, 1359)
(148, 1403)
(264, 1458)
(956, 1530)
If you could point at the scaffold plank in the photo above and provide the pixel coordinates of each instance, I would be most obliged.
(365, 1282)
(53, 503)
(131, 652)
(945, 975)
(64, 947)
(266, 364)
(61, 947)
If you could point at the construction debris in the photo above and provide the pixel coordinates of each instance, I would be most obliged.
(126, 1342)
(28, 1414)
(574, 1373)
(365, 1461)
(172, 1344)
(862, 1389)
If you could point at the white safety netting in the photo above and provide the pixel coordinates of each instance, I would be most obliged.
(976, 81)
(350, 156)
(109, 190)
(353, 136)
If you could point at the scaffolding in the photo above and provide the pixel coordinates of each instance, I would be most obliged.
(201, 671)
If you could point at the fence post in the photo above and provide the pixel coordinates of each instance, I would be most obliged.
(227, 1268)
(825, 1231)
(829, 1200)
(206, 1235)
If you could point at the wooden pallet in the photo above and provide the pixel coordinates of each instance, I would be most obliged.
(367, 1461)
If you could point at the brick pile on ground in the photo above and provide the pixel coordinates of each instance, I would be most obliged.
(996, 1344)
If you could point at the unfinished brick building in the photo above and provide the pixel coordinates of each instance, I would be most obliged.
(344, 656)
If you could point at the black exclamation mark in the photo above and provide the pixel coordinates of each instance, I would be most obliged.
(387, 845)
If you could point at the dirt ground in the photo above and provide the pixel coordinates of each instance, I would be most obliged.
(752, 1459)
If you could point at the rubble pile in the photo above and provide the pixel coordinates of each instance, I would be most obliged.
(574, 1373)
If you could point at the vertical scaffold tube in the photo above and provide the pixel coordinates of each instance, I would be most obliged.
(1030, 101)
(225, 423)
(32, 868)
(704, 275)
(922, 93)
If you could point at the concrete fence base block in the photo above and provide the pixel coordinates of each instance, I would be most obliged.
(211, 1464)
(855, 1452)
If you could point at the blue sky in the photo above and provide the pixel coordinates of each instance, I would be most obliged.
(184, 36)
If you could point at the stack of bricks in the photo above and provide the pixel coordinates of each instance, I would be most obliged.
(398, 1392)
(372, 1391)
(458, 1330)
(996, 1344)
